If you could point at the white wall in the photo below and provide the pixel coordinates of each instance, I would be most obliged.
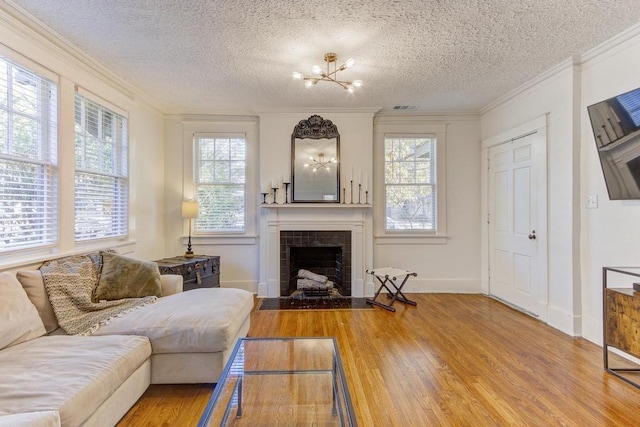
(21, 38)
(611, 233)
(552, 94)
(450, 267)
(356, 151)
(581, 240)
(238, 253)
(450, 264)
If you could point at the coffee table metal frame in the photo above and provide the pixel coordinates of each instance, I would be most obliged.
(346, 414)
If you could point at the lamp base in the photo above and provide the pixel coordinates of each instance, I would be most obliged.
(189, 254)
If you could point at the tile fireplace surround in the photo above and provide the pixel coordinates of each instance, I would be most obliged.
(355, 219)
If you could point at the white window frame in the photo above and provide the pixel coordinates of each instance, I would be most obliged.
(198, 229)
(216, 126)
(119, 225)
(46, 157)
(431, 182)
(410, 127)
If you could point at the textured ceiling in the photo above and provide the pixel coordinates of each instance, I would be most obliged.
(198, 56)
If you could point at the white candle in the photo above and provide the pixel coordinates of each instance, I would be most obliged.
(366, 183)
(351, 173)
(272, 184)
(615, 115)
(360, 176)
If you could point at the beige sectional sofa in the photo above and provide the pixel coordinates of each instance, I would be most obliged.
(48, 378)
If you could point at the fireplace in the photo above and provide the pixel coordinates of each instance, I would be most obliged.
(322, 252)
(344, 226)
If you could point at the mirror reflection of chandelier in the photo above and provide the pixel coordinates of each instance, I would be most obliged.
(329, 76)
(320, 162)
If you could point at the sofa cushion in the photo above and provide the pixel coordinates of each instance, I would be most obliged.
(124, 277)
(19, 319)
(31, 419)
(33, 284)
(73, 375)
(199, 320)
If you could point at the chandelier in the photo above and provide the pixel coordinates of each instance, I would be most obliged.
(320, 163)
(329, 76)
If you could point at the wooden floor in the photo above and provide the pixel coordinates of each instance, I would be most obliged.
(454, 360)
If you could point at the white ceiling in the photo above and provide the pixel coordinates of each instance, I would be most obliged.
(231, 56)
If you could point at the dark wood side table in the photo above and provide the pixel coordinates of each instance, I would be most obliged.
(621, 321)
(201, 271)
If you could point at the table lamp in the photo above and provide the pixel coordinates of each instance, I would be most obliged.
(189, 210)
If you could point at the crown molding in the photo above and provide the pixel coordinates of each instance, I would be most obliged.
(425, 116)
(612, 45)
(563, 66)
(206, 118)
(37, 32)
(297, 111)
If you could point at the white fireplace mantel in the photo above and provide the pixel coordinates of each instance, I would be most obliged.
(323, 217)
(316, 206)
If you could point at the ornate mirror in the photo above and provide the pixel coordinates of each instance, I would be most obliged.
(315, 161)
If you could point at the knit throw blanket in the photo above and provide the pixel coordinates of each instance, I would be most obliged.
(69, 283)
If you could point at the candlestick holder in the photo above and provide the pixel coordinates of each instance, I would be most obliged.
(359, 192)
(351, 192)
(275, 195)
(366, 197)
(286, 191)
(264, 198)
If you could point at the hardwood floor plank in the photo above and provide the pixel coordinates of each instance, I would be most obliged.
(452, 360)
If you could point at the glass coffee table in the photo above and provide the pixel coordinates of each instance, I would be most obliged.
(281, 381)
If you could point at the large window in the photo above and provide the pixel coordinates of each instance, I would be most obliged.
(220, 177)
(101, 178)
(28, 159)
(410, 183)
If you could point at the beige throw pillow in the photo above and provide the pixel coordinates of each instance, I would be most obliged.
(33, 284)
(124, 277)
(19, 320)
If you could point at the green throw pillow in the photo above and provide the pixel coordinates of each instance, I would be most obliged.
(123, 277)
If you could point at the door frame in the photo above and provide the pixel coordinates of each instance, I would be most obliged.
(537, 127)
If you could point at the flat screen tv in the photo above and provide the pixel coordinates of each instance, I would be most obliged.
(616, 130)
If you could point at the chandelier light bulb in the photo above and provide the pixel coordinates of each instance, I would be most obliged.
(331, 74)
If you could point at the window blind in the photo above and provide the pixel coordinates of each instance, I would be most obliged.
(28, 158)
(101, 172)
(410, 185)
(220, 175)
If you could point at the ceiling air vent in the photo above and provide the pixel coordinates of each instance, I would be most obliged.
(404, 107)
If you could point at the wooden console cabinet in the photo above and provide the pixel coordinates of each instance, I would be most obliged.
(201, 271)
(621, 321)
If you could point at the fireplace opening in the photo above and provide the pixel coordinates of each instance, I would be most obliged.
(327, 253)
(324, 261)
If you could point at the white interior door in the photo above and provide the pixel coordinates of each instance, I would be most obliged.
(513, 216)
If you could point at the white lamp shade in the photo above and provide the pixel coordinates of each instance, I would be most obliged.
(189, 209)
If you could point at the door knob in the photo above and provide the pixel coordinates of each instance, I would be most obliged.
(532, 236)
